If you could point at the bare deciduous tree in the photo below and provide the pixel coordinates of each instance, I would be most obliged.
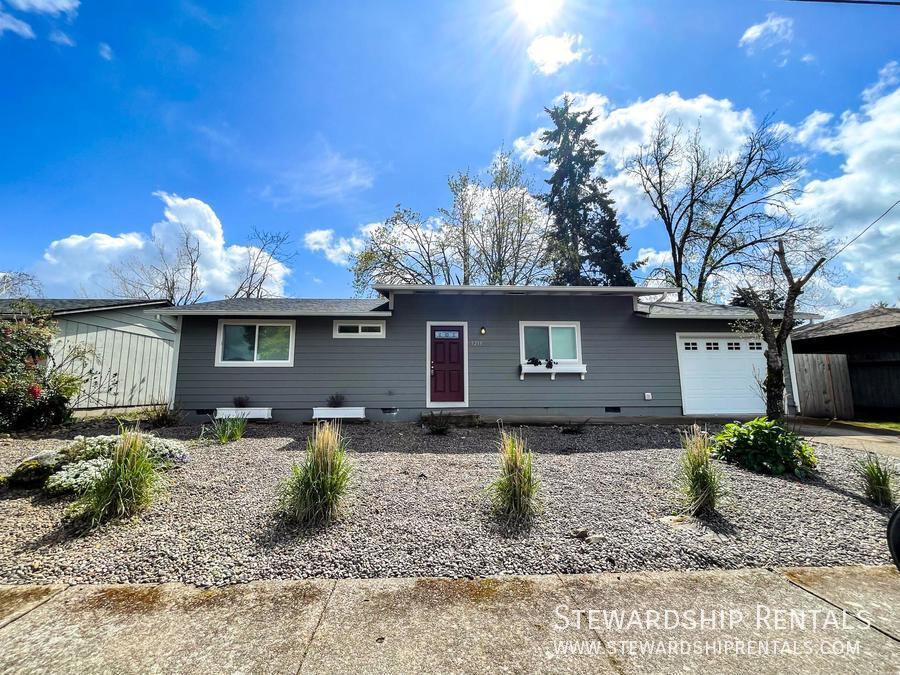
(719, 211)
(173, 274)
(18, 285)
(494, 233)
(776, 328)
(266, 253)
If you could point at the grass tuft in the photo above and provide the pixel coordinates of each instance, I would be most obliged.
(312, 493)
(226, 429)
(127, 486)
(699, 480)
(514, 495)
(877, 477)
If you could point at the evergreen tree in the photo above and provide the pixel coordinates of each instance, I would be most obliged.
(586, 243)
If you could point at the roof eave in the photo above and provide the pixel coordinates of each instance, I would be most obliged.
(658, 315)
(106, 308)
(176, 311)
(387, 289)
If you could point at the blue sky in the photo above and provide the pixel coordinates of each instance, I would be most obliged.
(318, 117)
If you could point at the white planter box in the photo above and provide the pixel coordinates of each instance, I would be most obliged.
(249, 413)
(339, 413)
(576, 368)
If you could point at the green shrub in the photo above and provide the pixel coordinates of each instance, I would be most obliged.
(436, 423)
(78, 477)
(877, 477)
(313, 491)
(226, 429)
(762, 445)
(514, 495)
(162, 450)
(127, 486)
(699, 480)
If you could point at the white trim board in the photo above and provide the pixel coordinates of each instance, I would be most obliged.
(173, 367)
(447, 404)
(219, 363)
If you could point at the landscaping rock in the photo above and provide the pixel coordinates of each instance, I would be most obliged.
(217, 523)
(34, 471)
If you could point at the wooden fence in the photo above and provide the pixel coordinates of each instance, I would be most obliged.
(824, 384)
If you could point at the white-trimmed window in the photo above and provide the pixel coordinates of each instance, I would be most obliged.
(557, 340)
(359, 329)
(259, 343)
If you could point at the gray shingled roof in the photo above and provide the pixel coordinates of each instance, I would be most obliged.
(72, 305)
(299, 306)
(703, 310)
(876, 318)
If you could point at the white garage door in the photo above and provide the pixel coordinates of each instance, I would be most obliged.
(721, 374)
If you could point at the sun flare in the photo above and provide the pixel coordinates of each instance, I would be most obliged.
(537, 13)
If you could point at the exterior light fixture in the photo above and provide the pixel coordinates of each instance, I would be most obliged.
(483, 330)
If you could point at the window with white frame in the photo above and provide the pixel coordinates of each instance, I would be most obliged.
(557, 340)
(359, 329)
(255, 343)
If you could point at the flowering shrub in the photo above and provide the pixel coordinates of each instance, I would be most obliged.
(162, 450)
(77, 477)
(35, 390)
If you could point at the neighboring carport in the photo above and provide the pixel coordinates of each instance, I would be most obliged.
(870, 340)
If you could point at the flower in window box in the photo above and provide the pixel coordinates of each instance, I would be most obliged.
(35, 391)
(533, 361)
(549, 363)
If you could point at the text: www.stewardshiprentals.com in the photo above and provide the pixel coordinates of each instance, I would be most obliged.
(721, 647)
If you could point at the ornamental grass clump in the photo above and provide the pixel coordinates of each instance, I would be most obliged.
(313, 491)
(877, 477)
(699, 479)
(514, 495)
(125, 487)
(226, 429)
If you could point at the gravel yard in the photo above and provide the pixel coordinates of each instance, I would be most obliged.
(417, 508)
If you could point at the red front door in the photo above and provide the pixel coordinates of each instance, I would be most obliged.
(447, 364)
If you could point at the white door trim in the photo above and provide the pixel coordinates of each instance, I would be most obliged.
(795, 392)
(447, 404)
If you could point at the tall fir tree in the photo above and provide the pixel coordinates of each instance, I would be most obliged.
(586, 246)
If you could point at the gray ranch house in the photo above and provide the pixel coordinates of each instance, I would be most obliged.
(484, 349)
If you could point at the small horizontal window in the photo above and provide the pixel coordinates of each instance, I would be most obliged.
(359, 329)
(712, 346)
(690, 346)
(256, 343)
(734, 346)
(755, 346)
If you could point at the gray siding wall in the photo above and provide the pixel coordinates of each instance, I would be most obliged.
(626, 355)
(132, 351)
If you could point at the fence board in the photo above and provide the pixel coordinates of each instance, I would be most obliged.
(824, 383)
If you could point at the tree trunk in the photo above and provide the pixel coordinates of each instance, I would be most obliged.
(774, 386)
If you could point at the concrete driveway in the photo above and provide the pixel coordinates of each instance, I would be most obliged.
(884, 444)
(805, 620)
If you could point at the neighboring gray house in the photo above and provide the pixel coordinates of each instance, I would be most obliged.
(425, 348)
(131, 348)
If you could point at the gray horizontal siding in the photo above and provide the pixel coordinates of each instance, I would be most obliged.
(626, 356)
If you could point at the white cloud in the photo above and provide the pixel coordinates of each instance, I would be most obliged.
(808, 58)
(869, 142)
(775, 30)
(549, 53)
(105, 51)
(888, 77)
(11, 24)
(338, 250)
(621, 131)
(52, 7)
(61, 38)
(328, 176)
(79, 261)
(813, 131)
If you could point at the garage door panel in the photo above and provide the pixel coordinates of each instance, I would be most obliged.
(721, 375)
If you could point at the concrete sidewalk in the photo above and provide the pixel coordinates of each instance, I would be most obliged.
(802, 620)
(855, 439)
